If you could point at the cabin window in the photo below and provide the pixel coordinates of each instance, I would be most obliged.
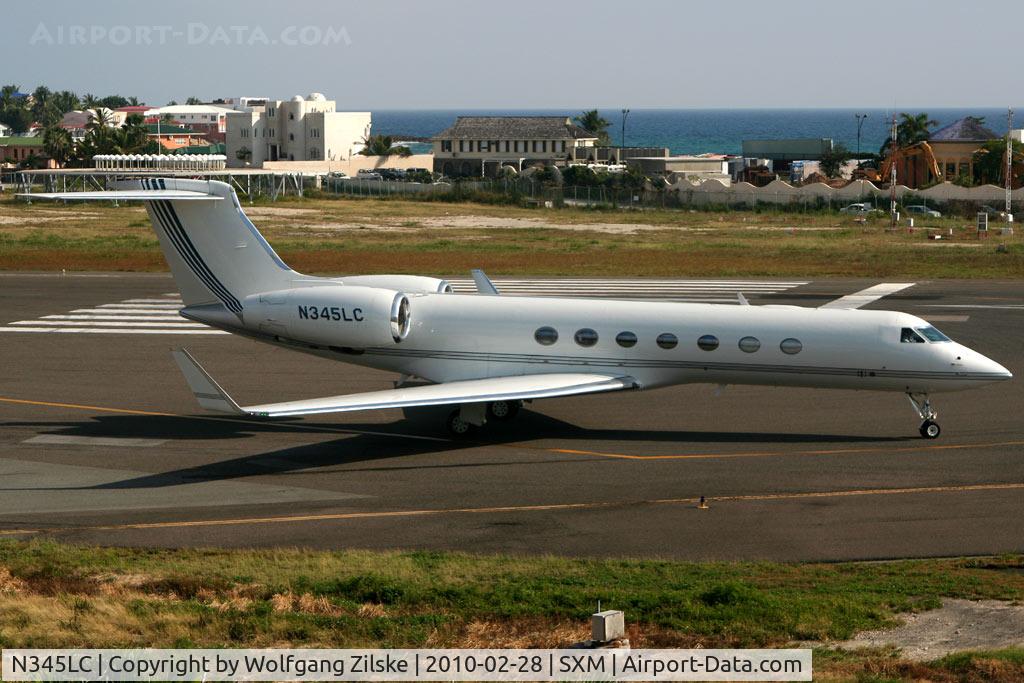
(933, 335)
(667, 340)
(750, 344)
(791, 346)
(909, 336)
(708, 342)
(586, 337)
(625, 339)
(546, 336)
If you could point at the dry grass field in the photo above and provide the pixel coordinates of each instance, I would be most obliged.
(335, 236)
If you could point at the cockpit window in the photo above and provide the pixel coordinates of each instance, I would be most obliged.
(909, 336)
(933, 335)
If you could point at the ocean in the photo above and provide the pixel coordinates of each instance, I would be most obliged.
(693, 131)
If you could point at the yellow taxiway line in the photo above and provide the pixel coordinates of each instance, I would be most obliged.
(384, 514)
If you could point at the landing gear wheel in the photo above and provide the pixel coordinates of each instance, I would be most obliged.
(502, 410)
(457, 426)
(930, 430)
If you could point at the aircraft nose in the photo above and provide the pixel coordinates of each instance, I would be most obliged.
(987, 366)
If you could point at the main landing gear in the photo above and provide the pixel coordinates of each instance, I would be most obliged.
(929, 427)
(465, 419)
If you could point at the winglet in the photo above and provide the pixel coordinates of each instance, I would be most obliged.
(742, 299)
(483, 283)
(206, 390)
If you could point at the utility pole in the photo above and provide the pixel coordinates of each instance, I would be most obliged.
(892, 174)
(1009, 172)
(860, 122)
(622, 140)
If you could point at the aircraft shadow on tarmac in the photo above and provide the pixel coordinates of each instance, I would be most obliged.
(380, 442)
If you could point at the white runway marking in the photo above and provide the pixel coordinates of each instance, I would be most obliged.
(106, 330)
(131, 316)
(866, 296)
(69, 440)
(84, 323)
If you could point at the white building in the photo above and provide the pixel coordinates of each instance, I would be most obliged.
(299, 129)
(209, 118)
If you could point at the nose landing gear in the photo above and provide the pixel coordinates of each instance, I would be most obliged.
(929, 427)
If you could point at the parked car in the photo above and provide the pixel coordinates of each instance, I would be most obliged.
(367, 174)
(922, 210)
(993, 213)
(859, 209)
(337, 174)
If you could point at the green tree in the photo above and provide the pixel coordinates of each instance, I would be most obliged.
(14, 111)
(383, 145)
(244, 154)
(193, 100)
(990, 162)
(114, 101)
(592, 121)
(90, 101)
(134, 134)
(65, 101)
(582, 176)
(831, 163)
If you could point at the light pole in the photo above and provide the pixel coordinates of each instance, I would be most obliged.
(860, 122)
(622, 140)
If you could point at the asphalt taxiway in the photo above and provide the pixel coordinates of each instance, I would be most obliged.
(101, 442)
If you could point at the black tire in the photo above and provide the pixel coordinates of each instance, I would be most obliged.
(502, 410)
(930, 430)
(458, 427)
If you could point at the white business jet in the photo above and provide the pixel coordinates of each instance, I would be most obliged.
(486, 354)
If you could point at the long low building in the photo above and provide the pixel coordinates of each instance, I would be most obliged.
(482, 145)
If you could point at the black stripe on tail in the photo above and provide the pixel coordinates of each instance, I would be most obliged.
(190, 255)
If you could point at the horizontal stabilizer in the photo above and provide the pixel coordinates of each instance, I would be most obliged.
(206, 390)
(125, 195)
(518, 388)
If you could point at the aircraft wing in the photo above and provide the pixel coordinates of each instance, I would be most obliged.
(125, 195)
(516, 388)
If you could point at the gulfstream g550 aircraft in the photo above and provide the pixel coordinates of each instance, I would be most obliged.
(485, 354)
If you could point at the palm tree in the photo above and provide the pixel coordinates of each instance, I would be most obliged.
(382, 146)
(911, 129)
(65, 101)
(7, 96)
(592, 121)
(41, 97)
(90, 101)
(58, 144)
(100, 118)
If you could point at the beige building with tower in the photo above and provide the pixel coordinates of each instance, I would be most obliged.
(299, 129)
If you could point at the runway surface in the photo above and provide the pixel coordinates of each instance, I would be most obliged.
(101, 442)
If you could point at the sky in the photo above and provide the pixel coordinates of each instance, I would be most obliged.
(466, 54)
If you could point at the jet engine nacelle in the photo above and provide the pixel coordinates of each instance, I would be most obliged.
(404, 283)
(344, 315)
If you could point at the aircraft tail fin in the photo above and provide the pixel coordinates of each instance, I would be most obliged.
(214, 251)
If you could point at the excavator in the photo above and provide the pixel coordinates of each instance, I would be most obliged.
(918, 150)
